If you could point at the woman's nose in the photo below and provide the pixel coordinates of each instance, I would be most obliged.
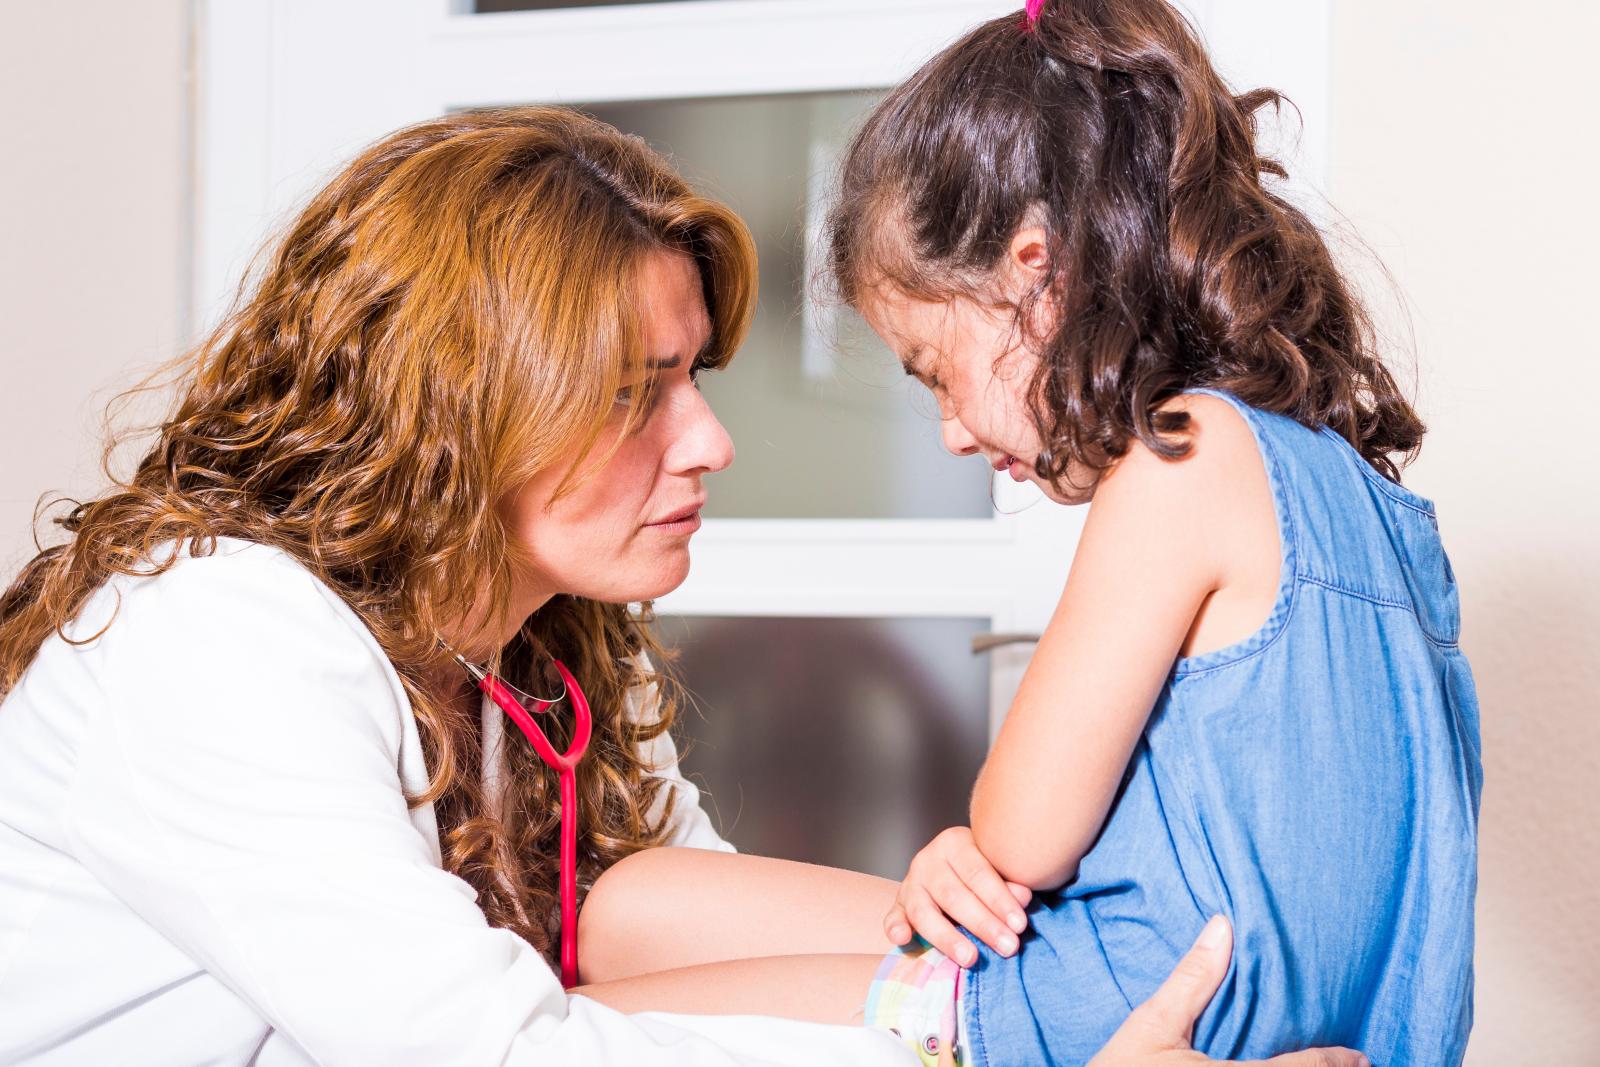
(701, 443)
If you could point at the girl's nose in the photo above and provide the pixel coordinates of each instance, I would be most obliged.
(957, 440)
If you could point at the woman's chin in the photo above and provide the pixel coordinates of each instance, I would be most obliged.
(651, 584)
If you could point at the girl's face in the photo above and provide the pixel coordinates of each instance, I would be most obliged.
(977, 362)
(623, 534)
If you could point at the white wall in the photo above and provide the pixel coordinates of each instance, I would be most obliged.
(94, 231)
(1462, 150)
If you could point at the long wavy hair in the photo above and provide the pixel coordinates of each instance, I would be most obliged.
(452, 314)
(1171, 263)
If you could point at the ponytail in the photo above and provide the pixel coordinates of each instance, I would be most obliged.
(1171, 265)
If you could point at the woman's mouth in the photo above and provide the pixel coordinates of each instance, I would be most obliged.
(684, 521)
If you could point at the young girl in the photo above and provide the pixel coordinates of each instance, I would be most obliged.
(1251, 699)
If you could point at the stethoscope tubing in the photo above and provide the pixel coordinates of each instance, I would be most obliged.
(566, 767)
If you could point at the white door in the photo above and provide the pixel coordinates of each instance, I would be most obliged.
(841, 530)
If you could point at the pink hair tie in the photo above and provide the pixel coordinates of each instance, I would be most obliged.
(1033, 8)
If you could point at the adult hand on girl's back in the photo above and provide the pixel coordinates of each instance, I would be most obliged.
(951, 880)
(1159, 1032)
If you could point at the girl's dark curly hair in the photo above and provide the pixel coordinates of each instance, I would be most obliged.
(1171, 264)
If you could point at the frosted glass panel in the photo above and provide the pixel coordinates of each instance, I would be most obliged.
(848, 742)
(824, 421)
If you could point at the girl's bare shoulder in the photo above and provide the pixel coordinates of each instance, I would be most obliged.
(1215, 500)
(1222, 455)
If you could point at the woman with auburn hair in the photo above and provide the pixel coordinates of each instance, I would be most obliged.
(252, 808)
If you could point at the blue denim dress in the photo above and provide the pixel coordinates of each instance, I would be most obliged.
(1318, 783)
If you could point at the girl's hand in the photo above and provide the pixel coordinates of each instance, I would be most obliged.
(950, 880)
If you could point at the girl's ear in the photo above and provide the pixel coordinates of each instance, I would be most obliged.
(1029, 250)
(1028, 262)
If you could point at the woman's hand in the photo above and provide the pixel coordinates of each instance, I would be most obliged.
(950, 880)
(1159, 1032)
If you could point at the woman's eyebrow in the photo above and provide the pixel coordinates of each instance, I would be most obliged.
(672, 363)
(705, 349)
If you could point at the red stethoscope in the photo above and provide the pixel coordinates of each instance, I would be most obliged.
(510, 699)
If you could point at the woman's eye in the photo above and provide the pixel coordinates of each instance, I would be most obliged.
(628, 396)
(629, 393)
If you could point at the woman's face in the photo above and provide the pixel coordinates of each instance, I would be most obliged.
(977, 364)
(623, 534)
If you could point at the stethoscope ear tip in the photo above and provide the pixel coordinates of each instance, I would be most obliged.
(478, 673)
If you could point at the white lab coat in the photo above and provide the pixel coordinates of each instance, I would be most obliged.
(206, 858)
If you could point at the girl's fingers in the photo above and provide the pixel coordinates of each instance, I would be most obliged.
(991, 889)
(896, 926)
(960, 903)
(935, 929)
(1023, 894)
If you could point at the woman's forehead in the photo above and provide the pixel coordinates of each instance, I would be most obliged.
(676, 324)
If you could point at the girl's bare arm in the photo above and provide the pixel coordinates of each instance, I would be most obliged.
(1161, 538)
(819, 989)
